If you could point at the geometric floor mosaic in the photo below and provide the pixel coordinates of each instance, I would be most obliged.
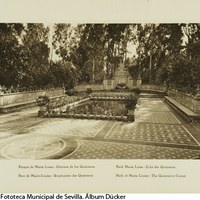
(112, 150)
(161, 133)
(156, 117)
(155, 134)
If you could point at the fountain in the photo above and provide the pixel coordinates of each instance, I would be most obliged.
(117, 105)
(121, 79)
(108, 106)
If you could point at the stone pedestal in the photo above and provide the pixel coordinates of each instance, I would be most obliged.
(121, 78)
(42, 111)
(130, 115)
(109, 84)
(130, 82)
(139, 81)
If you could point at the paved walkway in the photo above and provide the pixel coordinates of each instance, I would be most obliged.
(157, 133)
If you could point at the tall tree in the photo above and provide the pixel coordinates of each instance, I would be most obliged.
(64, 73)
(10, 35)
(35, 55)
(66, 42)
(117, 37)
(156, 44)
(185, 71)
(91, 46)
(62, 40)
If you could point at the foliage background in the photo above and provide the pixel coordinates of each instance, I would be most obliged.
(165, 54)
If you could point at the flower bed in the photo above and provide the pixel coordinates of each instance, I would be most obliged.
(110, 106)
(99, 105)
(57, 105)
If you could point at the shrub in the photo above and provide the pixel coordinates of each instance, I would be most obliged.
(137, 91)
(71, 92)
(130, 103)
(42, 100)
(88, 90)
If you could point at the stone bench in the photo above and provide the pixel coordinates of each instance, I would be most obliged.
(186, 113)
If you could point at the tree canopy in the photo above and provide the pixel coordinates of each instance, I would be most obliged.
(165, 53)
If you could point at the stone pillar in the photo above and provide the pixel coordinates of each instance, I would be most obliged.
(108, 84)
(139, 81)
(104, 84)
(130, 82)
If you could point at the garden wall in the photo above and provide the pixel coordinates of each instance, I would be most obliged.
(10, 99)
(186, 100)
(161, 88)
(109, 85)
(94, 87)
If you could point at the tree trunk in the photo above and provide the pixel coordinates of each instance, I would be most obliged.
(93, 68)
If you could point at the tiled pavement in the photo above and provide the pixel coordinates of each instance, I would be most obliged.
(155, 134)
(112, 150)
(173, 134)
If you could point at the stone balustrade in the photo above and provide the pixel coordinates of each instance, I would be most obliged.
(190, 102)
(94, 87)
(110, 85)
(111, 96)
(20, 99)
(161, 88)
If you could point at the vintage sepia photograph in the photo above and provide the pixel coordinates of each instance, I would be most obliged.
(99, 97)
(99, 91)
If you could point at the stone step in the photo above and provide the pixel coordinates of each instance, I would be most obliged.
(152, 95)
